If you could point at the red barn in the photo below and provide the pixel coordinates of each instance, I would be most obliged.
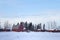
(21, 27)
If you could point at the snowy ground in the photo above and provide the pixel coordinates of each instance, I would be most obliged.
(29, 36)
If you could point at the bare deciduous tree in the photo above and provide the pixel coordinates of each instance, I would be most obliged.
(7, 25)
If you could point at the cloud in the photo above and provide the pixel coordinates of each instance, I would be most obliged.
(33, 19)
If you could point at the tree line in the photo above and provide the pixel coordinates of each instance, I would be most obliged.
(25, 26)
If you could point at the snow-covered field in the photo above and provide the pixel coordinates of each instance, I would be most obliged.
(29, 36)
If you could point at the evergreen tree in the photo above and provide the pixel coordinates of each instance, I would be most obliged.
(30, 26)
(43, 26)
(26, 25)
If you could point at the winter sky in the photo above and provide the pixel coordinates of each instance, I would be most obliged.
(32, 10)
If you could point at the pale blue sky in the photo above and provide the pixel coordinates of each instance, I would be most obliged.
(17, 8)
